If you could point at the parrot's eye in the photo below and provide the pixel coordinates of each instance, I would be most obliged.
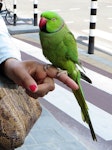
(53, 19)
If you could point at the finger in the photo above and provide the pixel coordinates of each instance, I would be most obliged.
(43, 88)
(42, 91)
(54, 73)
(26, 81)
(68, 81)
(50, 70)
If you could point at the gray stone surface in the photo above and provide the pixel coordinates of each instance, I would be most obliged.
(49, 134)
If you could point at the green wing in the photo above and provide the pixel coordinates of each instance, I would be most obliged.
(71, 44)
(72, 52)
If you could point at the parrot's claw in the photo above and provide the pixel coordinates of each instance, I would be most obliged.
(61, 72)
(46, 67)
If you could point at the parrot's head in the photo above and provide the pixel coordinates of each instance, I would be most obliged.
(50, 22)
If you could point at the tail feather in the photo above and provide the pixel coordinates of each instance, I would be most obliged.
(92, 130)
(76, 76)
(88, 121)
(84, 109)
(84, 77)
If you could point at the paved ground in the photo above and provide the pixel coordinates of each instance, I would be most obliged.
(49, 134)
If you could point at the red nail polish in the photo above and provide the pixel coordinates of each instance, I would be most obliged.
(33, 88)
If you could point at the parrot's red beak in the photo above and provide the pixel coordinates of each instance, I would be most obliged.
(42, 23)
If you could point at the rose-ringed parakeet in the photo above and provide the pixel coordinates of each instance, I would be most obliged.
(60, 48)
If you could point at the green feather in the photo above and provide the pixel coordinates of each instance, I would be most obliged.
(54, 21)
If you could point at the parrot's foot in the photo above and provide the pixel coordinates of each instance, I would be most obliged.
(59, 71)
(46, 67)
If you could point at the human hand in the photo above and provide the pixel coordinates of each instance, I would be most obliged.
(33, 77)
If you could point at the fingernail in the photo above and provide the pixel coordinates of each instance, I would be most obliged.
(33, 88)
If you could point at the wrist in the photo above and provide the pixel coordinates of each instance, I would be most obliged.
(7, 65)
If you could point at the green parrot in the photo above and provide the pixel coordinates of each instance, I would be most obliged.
(60, 48)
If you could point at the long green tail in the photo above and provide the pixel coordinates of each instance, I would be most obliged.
(84, 109)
